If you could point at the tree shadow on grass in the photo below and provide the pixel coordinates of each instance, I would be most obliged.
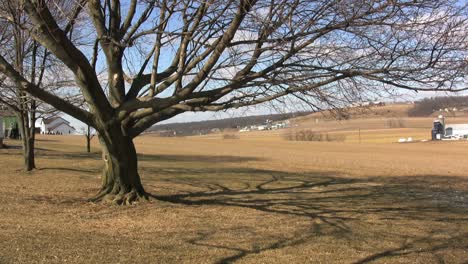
(18, 147)
(69, 169)
(413, 247)
(344, 208)
(195, 158)
(46, 140)
(52, 154)
(335, 206)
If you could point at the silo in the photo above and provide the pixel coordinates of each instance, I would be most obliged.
(438, 129)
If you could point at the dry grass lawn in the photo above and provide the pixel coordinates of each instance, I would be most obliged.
(242, 201)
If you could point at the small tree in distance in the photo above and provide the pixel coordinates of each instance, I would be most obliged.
(162, 58)
(89, 134)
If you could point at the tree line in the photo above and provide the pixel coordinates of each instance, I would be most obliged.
(428, 106)
(205, 127)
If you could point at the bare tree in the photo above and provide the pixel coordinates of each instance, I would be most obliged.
(29, 62)
(34, 62)
(163, 58)
(89, 134)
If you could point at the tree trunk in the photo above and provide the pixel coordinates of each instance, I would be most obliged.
(31, 140)
(29, 158)
(88, 144)
(28, 140)
(121, 182)
(88, 139)
(28, 150)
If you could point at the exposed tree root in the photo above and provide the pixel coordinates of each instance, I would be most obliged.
(120, 198)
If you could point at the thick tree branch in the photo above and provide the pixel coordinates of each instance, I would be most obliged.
(43, 95)
(48, 33)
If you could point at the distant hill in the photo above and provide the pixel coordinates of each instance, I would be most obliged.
(390, 116)
(434, 105)
(389, 111)
(371, 117)
(209, 126)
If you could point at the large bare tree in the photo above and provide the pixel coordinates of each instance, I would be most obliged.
(163, 58)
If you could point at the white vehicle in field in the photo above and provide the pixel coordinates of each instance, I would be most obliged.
(456, 131)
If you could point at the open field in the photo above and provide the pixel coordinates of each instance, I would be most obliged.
(366, 125)
(243, 201)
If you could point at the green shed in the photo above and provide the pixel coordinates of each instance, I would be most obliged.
(9, 126)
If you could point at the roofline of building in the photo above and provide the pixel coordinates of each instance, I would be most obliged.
(44, 120)
(56, 126)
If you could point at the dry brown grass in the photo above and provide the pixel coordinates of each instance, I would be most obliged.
(309, 135)
(254, 201)
(384, 125)
(231, 136)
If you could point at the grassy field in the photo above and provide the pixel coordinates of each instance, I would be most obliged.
(243, 201)
(385, 124)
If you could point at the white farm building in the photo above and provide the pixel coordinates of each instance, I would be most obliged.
(456, 130)
(56, 126)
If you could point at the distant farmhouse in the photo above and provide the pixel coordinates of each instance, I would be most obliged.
(367, 104)
(56, 126)
(268, 125)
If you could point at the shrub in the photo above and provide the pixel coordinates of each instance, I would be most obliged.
(396, 123)
(309, 135)
(230, 136)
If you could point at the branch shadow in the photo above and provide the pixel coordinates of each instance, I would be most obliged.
(413, 248)
(332, 205)
(52, 154)
(69, 169)
(329, 202)
(195, 158)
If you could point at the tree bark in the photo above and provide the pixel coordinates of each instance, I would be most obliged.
(121, 182)
(29, 157)
(88, 144)
(28, 140)
(88, 139)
